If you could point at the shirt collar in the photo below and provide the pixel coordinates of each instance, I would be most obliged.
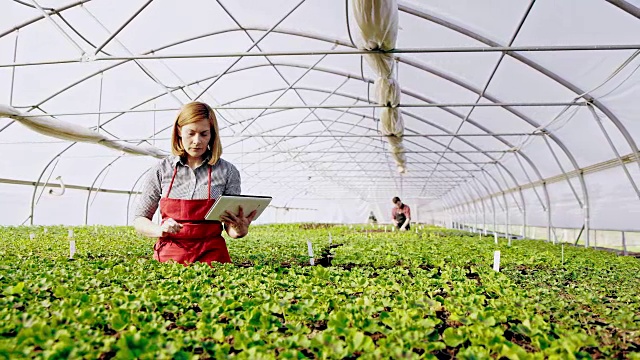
(179, 160)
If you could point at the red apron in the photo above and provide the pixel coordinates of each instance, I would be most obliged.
(199, 239)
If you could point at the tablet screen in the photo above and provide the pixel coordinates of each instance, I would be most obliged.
(232, 204)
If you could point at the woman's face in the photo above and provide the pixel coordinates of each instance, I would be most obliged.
(195, 138)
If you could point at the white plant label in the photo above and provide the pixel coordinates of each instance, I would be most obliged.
(70, 233)
(72, 248)
(495, 235)
(310, 248)
(45, 230)
(496, 260)
(330, 239)
(562, 253)
(32, 236)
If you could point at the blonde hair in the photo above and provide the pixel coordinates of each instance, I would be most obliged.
(190, 113)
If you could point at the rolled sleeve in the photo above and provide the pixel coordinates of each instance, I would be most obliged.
(233, 181)
(148, 200)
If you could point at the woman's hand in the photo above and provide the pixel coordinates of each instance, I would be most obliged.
(170, 226)
(237, 225)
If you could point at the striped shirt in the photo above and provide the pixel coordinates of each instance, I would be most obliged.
(188, 185)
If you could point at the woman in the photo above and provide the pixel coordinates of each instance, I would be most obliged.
(185, 186)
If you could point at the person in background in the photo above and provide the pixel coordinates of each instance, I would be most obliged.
(185, 186)
(372, 219)
(401, 215)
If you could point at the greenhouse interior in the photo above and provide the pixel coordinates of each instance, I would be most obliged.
(445, 179)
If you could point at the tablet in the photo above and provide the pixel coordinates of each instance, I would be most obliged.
(232, 204)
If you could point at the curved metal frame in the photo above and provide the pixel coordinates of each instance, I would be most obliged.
(444, 130)
(443, 22)
(131, 192)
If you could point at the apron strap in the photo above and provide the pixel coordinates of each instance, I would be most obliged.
(175, 171)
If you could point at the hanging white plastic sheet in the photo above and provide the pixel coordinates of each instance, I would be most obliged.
(64, 130)
(378, 24)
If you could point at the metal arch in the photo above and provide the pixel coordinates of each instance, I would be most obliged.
(457, 82)
(35, 186)
(507, 185)
(131, 192)
(626, 7)
(38, 18)
(610, 116)
(472, 203)
(459, 207)
(411, 115)
(448, 110)
(541, 69)
(115, 33)
(372, 129)
(408, 114)
(422, 67)
(422, 120)
(480, 94)
(401, 60)
(493, 204)
(342, 43)
(614, 150)
(86, 209)
(443, 23)
(444, 130)
(448, 209)
(523, 209)
(472, 190)
(466, 205)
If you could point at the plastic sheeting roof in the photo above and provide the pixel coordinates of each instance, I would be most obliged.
(510, 108)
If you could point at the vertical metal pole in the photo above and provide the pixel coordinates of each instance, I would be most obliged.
(495, 224)
(544, 184)
(13, 68)
(154, 124)
(484, 219)
(529, 179)
(508, 233)
(479, 193)
(566, 176)
(506, 207)
(524, 222)
(549, 227)
(586, 224)
(624, 245)
(100, 102)
(506, 204)
(475, 217)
